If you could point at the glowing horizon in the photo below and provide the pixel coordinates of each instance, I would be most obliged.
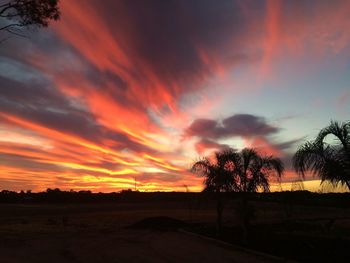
(139, 90)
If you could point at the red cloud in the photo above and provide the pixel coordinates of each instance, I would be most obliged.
(107, 86)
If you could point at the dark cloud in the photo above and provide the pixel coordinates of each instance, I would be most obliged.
(150, 34)
(204, 128)
(175, 40)
(206, 144)
(38, 102)
(97, 73)
(70, 66)
(237, 125)
(45, 105)
(244, 125)
(247, 125)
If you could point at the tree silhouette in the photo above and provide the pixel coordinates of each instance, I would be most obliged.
(17, 14)
(251, 172)
(217, 178)
(232, 171)
(331, 162)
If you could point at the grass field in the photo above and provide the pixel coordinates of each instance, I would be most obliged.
(99, 233)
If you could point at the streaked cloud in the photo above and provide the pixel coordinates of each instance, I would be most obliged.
(125, 91)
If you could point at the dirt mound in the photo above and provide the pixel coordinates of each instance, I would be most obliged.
(159, 223)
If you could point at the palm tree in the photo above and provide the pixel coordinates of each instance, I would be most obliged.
(217, 178)
(331, 162)
(232, 171)
(251, 172)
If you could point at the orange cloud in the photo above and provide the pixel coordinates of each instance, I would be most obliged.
(112, 87)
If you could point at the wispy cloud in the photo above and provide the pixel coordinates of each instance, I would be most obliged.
(107, 94)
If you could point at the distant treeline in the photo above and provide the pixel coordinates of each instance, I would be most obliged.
(128, 196)
(58, 196)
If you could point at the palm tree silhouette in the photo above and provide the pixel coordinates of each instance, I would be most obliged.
(217, 178)
(232, 171)
(251, 172)
(331, 162)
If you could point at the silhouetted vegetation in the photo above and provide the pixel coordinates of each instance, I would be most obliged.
(198, 199)
(17, 14)
(233, 171)
(56, 196)
(331, 162)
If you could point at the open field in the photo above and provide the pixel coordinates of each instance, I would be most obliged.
(99, 232)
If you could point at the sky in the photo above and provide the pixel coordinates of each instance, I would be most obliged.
(123, 92)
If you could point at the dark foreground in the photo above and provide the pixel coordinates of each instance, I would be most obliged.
(117, 232)
(118, 245)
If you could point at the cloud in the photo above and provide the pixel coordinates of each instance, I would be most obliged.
(236, 125)
(111, 86)
(255, 131)
(205, 145)
(248, 125)
(40, 103)
(268, 147)
(108, 99)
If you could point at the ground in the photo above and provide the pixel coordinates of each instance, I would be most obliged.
(102, 233)
(121, 245)
(99, 233)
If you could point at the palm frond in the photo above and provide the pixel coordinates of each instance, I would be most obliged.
(331, 162)
(340, 130)
(308, 157)
(274, 165)
(244, 171)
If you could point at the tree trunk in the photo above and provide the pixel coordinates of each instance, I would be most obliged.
(219, 210)
(245, 217)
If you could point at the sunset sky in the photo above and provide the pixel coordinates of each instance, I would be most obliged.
(118, 91)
